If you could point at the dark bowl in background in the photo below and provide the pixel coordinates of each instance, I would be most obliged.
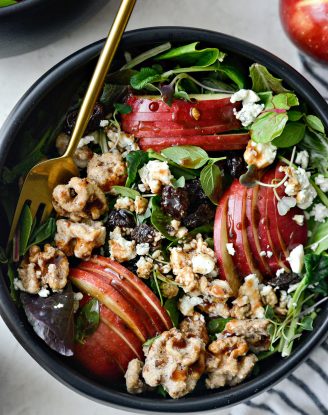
(44, 106)
(31, 24)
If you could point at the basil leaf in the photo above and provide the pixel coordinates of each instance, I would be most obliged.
(315, 123)
(87, 320)
(191, 157)
(171, 306)
(126, 192)
(285, 100)
(144, 77)
(316, 271)
(268, 126)
(263, 80)
(135, 160)
(25, 227)
(319, 237)
(294, 115)
(44, 232)
(292, 134)
(217, 325)
(317, 146)
(52, 323)
(189, 55)
(158, 219)
(122, 108)
(211, 182)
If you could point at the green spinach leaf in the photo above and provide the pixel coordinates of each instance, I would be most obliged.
(191, 157)
(135, 160)
(158, 219)
(268, 126)
(217, 325)
(292, 134)
(171, 306)
(145, 77)
(263, 80)
(43, 233)
(315, 123)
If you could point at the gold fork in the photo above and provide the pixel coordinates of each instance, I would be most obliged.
(45, 176)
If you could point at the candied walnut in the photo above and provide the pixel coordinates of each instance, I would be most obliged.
(120, 218)
(107, 170)
(187, 279)
(79, 199)
(79, 239)
(215, 296)
(175, 202)
(143, 234)
(82, 154)
(42, 269)
(121, 249)
(248, 304)
(228, 363)
(254, 331)
(176, 361)
(133, 378)
(195, 325)
(268, 296)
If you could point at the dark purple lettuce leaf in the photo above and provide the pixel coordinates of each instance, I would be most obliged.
(52, 318)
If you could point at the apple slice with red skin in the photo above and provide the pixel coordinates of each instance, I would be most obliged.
(263, 229)
(243, 257)
(252, 235)
(146, 292)
(96, 360)
(150, 318)
(227, 269)
(97, 286)
(223, 142)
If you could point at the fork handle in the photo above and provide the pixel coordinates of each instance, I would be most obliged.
(100, 72)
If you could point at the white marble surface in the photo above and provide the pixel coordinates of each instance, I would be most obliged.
(25, 388)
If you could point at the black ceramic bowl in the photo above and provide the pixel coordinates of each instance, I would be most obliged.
(31, 24)
(43, 106)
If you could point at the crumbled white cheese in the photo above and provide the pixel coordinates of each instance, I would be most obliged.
(250, 110)
(230, 249)
(285, 204)
(103, 123)
(279, 272)
(319, 212)
(263, 253)
(78, 296)
(59, 305)
(154, 175)
(299, 219)
(302, 158)
(202, 264)
(44, 292)
(18, 285)
(121, 249)
(142, 249)
(269, 254)
(296, 259)
(322, 182)
(124, 143)
(260, 155)
(187, 304)
(299, 186)
(85, 141)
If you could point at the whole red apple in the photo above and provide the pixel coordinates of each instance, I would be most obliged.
(306, 23)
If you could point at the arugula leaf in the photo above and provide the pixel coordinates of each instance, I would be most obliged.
(191, 157)
(211, 182)
(315, 123)
(25, 227)
(87, 320)
(317, 146)
(263, 80)
(158, 219)
(145, 77)
(190, 55)
(233, 73)
(122, 108)
(44, 232)
(52, 318)
(135, 160)
(217, 325)
(126, 192)
(268, 126)
(171, 306)
(292, 134)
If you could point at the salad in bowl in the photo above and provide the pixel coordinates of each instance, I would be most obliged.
(193, 245)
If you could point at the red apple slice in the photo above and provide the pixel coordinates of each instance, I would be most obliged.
(147, 294)
(98, 287)
(150, 318)
(226, 265)
(223, 142)
(251, 230)
(94, 358)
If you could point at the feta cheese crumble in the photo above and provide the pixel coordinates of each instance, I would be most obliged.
(59, 305)
(285, 204)
(154, 175)
(298, 185)
(296, 259)
(103, 123)
(250, 110)
(302, 158)
(322, 182)
(85, 141)
(260, 154)
(230, 249)
(299, 219)
(279, 272)
(319, 212)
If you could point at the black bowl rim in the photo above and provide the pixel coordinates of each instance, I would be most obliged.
(72, 378)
